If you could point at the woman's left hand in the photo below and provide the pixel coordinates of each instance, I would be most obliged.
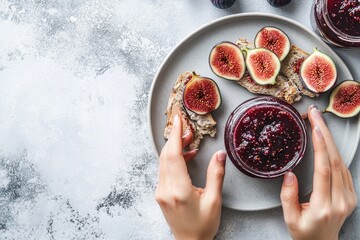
(191, 212)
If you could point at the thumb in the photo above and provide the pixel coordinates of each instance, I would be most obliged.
(215, 175)
(290, 198)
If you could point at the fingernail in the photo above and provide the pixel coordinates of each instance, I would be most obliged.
(176, 120)
(193, 150)
(312, 106)
(316, 113)
(221, 156)
(318, 132)
(289, 178)
(187, 132)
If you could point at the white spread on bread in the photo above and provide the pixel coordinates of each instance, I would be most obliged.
(284, 88)
(290, 68)
(288, 87)
(199, 125)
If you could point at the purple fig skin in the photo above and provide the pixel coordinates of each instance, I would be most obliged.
(283, 41)
(197, 108)
(222, 4)
(256, 72)
(306, 62)
(279, 3)
(350, 97)
(238, 69)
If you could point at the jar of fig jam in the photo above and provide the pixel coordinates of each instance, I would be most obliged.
(337, 21)
(265, 137)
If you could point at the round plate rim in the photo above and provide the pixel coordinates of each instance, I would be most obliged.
(229, 18)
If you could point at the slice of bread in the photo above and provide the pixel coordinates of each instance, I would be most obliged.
(290, 68)
(199, 125)
(284, 88)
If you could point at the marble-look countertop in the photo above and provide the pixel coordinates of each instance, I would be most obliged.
(75, 155)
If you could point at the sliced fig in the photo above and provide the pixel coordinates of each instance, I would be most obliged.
(227, 61)
(263, 65)
(273, 39)
(201, 95)
(318, 72)
(345, 99)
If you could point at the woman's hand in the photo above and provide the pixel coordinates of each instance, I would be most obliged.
(333, 197)
(192, 213)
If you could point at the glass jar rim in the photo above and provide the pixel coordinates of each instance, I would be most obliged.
(341, 35)
(237, 114)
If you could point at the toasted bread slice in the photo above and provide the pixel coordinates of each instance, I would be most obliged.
(199, 125)
(284, 88)
(290, 68)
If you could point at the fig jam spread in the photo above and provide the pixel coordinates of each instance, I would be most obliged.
(297, 65)
(267, 138)
(345, 15)
(337, 21)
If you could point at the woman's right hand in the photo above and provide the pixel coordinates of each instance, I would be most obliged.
(333, 198)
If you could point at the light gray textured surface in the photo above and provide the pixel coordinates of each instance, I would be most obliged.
(75, 156)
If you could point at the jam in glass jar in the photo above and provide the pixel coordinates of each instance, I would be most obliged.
(265, 137)
(337, 21)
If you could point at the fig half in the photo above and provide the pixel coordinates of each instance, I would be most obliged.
(345, 99)
(275, 40)
(262, 64)
(201, 95)
(318, 72)
(227, 61)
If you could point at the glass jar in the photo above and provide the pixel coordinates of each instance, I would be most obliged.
(337, 21)
(265, 137)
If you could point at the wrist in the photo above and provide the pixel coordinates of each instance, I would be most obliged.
(317, 238)
(193, 238)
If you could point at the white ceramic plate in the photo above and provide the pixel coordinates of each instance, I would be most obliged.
(240, 191)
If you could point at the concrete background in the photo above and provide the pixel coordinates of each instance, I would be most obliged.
(75, 79)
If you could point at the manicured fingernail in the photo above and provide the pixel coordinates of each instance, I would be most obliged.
(289, 178)
(221, 156)
(195, 150)
(316, 113)
(318, 132)
(187, 132)
(176, 120)
(312, 106)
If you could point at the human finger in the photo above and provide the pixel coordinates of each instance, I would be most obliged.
(344, 173)
(187, 138)
(289, 197)
(175, 165)
(174, 143)
(322, 170)
(215, 176)
(190, 155)
(336, 162)
(315, 117)
(162, 167)
(351, 183)
(350, 194)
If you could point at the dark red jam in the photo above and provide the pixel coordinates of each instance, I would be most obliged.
(265, 137)
(338, 21)
(345, 15)
(297, 65)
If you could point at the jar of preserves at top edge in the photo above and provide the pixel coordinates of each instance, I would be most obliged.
(337, 22)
